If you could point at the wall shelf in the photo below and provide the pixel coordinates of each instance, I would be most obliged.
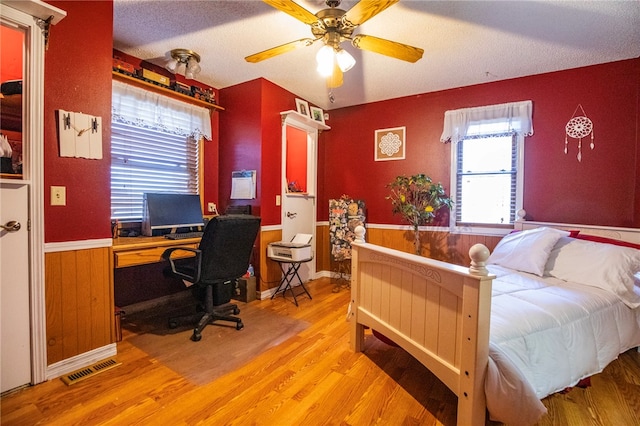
(305, 119)
(164, 91)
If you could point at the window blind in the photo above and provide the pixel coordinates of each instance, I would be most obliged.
(154, 148)
(486, 190)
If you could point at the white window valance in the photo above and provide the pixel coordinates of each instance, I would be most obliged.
(157, 112)
(515, 117)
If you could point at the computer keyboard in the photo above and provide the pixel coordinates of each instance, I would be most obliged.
(183, 235)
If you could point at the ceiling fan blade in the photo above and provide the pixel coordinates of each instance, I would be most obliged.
(365, 10)
(293, 9)
(387, 47)
(274, 51)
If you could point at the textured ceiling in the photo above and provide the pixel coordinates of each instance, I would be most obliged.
(464, 42)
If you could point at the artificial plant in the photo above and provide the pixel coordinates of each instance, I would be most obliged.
(417, 199)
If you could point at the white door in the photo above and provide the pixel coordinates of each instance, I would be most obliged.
(15, 338)
(299, 218)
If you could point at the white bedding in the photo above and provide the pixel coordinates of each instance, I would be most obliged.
(546, 335)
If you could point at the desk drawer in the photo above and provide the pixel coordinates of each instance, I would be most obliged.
(147, 255)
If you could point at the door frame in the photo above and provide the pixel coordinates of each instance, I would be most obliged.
(30, 15)
(312, 129)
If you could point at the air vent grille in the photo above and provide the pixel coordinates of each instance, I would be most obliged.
(92, 370)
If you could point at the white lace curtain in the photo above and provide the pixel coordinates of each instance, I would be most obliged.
(157, 112)
(513, 117)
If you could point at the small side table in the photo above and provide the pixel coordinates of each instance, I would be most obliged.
(288, 274)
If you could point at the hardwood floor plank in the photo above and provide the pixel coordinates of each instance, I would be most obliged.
(312, 378)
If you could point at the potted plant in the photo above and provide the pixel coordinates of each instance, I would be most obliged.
(417, 199)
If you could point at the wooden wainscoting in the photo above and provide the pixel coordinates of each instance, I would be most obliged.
(452, 248)
(323, 249)
(269, 270)
(79, 302)
(445, 246)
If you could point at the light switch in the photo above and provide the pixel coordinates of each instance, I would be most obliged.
(58, 195)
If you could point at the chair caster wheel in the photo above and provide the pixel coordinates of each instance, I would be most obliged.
(236, 311)
(239, 326)
(197, 336)
(173, 324)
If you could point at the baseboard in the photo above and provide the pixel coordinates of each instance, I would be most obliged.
(79, 361)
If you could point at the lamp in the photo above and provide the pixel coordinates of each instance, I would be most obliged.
(189, 58)
(332, 63)
(345, 60)
(325, 59)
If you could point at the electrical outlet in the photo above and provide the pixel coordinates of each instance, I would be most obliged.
(58, 195)
(278, 201)
(211, 207)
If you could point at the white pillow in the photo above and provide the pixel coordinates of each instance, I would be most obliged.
(601, 265)
(526, 251)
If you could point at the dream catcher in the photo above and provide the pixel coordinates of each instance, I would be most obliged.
(579, 127)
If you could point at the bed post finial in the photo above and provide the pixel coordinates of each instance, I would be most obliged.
(479, 253)
(359, 231)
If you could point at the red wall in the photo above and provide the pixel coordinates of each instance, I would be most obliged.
(602, 189)
(78, 78)
(274, 101)
(240, 140)
(251, 139)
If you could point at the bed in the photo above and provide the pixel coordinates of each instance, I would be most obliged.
(534, 317)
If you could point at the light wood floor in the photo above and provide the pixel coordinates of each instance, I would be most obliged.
(311, 379)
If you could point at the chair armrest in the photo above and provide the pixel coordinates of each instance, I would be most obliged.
(197, 263)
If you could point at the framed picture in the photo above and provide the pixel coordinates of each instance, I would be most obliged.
(390, 144)
(317, 114)
(302, 107)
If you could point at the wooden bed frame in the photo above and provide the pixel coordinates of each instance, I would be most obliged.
(436, 311)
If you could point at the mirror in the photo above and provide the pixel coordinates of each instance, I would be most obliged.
(11, 75)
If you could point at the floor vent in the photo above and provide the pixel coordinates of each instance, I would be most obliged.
(89, 371)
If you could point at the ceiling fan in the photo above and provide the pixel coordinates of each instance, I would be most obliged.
(333, 26)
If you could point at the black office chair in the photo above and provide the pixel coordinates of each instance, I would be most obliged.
(221, 258)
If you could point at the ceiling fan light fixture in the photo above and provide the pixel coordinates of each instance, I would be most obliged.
(345, 60)
(325, 58)
(189, 58)
(193, 67)
(172, 65)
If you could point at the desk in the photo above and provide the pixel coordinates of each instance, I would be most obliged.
(287, 277)
(132, 251)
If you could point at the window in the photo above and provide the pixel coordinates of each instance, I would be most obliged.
(154, 147)
(487, 166)
(486, 179)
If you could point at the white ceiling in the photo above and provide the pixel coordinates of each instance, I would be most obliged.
(464, 42)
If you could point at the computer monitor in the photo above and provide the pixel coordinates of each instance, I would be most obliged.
(168, 211)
